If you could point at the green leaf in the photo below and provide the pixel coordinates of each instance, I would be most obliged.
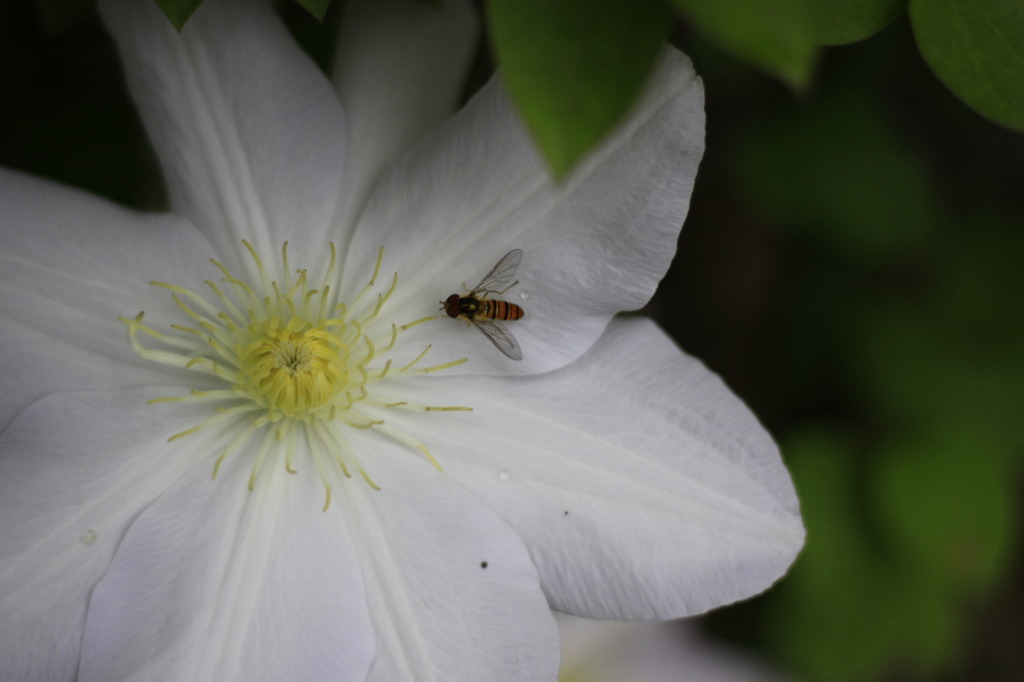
(318, 8)
(840, 589)
(178, 11)
(945, 493)
(776, 37)
(901, 544)
(976, 48)
(837, 22)
(573, 67)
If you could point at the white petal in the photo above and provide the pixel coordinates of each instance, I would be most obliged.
(613, 651)
(71, 264)
(217, 583)
(75, 469)
(642, 486)
(248, 131)
(595, 245)
(399, 70)
(451, 590)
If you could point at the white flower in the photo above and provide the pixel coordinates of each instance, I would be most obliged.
(309, 498)
(614, 651)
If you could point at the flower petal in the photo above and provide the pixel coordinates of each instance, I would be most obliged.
(595, 245)
(248, 131)
(216, 583)
(399, 70)
(451, 589)
(641, 485)
(75, 469)
(71, 264)
(612, 651)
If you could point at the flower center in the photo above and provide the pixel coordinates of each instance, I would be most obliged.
(292, 363)
(296, 369)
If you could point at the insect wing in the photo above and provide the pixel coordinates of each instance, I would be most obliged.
(501, 338)
(497, 280)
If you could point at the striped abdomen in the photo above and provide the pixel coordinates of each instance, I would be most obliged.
(496, 309)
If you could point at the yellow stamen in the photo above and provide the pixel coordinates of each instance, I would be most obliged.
(295, 365)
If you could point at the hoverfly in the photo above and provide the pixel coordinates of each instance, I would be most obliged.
(475, 307)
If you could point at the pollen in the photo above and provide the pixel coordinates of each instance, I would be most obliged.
(295, 371)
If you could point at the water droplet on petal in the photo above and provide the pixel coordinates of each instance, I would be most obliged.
(524, 295)
(88, 536)
(504, 475)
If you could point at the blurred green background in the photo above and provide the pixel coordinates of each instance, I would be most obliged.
(851, 265)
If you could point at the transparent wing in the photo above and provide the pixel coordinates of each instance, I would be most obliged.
(501, 338)
(497, 280)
